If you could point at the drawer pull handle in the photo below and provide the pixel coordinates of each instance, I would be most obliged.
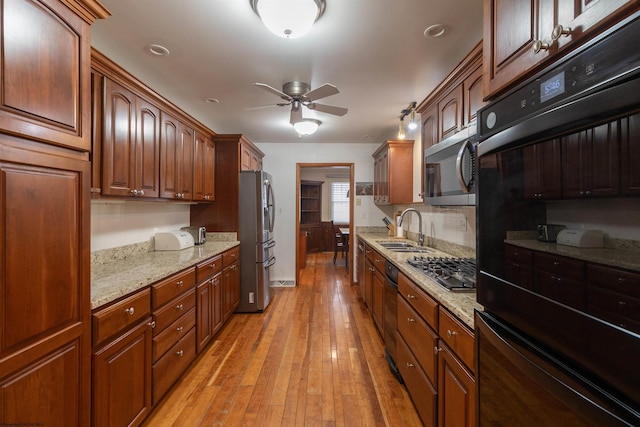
(152, 324)
(130, 311)
(620, 279)
(179, 328)
(179, 306)
(410, 365)
(180, 283)
(451, 333)
(409, 296)
(410, 320)
(180, 353)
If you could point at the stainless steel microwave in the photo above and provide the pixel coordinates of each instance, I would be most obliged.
(449, 178)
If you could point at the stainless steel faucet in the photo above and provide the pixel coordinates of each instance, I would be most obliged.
(420, 235)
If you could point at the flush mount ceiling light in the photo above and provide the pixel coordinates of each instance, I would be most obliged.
(436, 30)
(306, 126)
(288, 18)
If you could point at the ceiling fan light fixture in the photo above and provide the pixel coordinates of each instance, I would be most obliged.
(306, 126)
(288, 18)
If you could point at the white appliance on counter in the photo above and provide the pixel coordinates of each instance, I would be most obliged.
(257, 217)
(173, 240)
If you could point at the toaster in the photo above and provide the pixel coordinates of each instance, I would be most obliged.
(199, 234)
(549, 232)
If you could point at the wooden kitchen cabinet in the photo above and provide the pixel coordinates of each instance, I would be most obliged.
(511, 28)
(614, 295)
(311, 214)
(518, 266)
(591, 162)
(456, 391)
(122, 378)
(130, 146)
(176, 158)
(376, 283)
(230, 282)
(450, 113)
(561, 279)
(542, 170)
(208, 300)
(361, 264)
(630, 151)
(204, 162)
(250, 157)
(393, 173)
(368, 278)
(223, 214)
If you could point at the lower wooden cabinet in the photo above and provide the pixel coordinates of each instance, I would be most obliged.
(121, 379)
(423, 394)
(171, 366)
(456, 391)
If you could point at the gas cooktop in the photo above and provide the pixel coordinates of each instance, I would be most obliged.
(455, 274)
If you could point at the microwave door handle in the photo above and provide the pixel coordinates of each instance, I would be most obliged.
(466, 145)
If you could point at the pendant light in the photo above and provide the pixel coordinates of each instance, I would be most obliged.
(288, 18)
(401, 134)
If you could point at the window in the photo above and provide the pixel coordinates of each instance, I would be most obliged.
(340, 202)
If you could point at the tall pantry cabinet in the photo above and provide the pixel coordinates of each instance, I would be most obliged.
(45, 140)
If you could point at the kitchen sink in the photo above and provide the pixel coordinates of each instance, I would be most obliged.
(403, 247)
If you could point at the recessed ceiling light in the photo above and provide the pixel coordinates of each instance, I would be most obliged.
(367, 136)
(436, 30)
(159, 50)
(212, 100)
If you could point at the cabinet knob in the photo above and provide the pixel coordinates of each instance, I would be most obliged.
(410, 365)
(622, 304)
(620, 279)
(180, 283)
(451, 333)
(409, 296)
(130, 311)
(212, 265)
(180, 353)
(152, 324)
(539, 46)
(134, 192)
(437, 349)
(410, 320)
(140, 192)
(559, 31)
(179, 306)
(179, 328)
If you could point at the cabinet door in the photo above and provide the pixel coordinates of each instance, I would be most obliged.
(231, 289)
(430, 128)
(450, 113)
(368, 285)
(203, 168)
(122, 379)
(204, 319)
(510, 28)
(473, 96)
(630, 151)
(456, 392)
(118, 144)
(169, 164)
(591, 162)
(45, 75)
(378, 300)
(381, 178)
(147, 149)
(217, 304)
(542, 173)
(184, 157)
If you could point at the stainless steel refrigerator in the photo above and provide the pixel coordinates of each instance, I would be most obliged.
(257, 217)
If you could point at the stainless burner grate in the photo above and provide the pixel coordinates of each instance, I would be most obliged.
(455, 274)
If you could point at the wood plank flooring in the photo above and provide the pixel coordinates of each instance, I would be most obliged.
(313, 358)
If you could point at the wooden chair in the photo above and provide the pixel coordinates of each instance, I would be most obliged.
(338, 242)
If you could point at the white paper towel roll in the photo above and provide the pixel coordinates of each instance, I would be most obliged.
(399, 231)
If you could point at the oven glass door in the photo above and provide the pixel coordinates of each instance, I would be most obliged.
(519, 385)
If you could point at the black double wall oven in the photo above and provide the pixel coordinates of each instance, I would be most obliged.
(562, 148)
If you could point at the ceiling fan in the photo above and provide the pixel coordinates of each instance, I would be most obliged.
(299, 94)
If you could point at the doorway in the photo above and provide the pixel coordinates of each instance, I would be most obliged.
(325, 173)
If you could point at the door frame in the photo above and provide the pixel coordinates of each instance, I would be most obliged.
(351, 198)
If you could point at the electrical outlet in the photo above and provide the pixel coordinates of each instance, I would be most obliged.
(251, 298)
(462, 224)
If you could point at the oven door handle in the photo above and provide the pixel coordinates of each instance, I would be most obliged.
(467, 145)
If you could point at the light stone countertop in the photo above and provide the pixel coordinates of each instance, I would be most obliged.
(122, 276)
(460, 304)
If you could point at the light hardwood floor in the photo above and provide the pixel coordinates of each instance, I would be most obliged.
(313, 358)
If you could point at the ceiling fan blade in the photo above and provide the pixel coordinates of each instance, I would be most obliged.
(321, 92)
(296, 114)
(273, 91)
(329, 109)
(260, 107)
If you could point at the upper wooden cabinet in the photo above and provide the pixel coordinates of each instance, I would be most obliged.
(45, 42)
(204, 161)
(131, 144)
(521, 36)
(176, 158)
(233, 153)
(393, 173)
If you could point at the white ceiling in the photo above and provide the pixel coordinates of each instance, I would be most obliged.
(374, 51)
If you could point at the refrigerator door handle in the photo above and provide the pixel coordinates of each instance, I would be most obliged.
(271, 244)
(271, 261)
(270, 209)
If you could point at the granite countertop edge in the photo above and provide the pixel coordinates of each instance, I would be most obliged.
(460, 304)
(113, 280)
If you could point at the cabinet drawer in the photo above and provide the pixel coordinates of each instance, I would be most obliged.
(231, 256)
(117, 317)
(379, 262)
(170, 366)
(208, 268)
(426, 306)
(613, 279)
(421, 339)
(560, 266)
(521, 256)
(457, 336)
(167, 338)
(170, 312)
(164, 291)
(422, 393)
